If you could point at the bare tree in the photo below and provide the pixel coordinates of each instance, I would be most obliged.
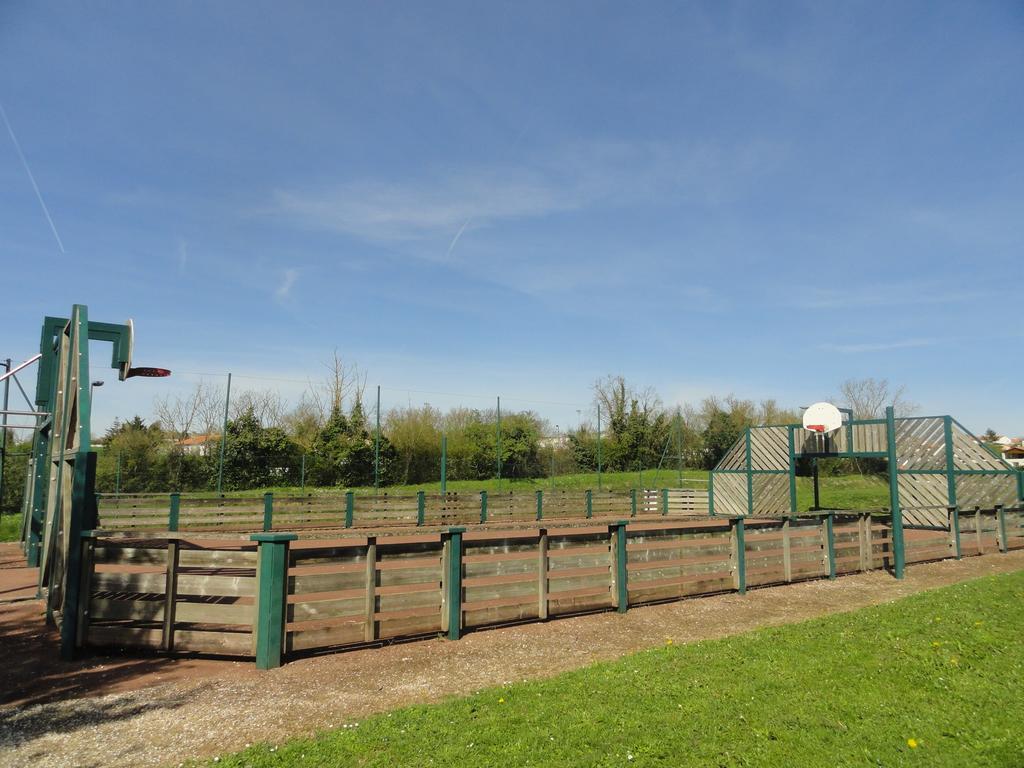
(616, 398)
(869, 397)
(343, 381)
(266, 405)
(194, 413)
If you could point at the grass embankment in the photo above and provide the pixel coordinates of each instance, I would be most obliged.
(931, 680)
(842, 492)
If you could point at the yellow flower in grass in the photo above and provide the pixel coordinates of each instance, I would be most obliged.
(668, 641)
(501, 701)
(912, 743)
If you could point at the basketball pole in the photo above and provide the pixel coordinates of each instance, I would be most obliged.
(817, 498)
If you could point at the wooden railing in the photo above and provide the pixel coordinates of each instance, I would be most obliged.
(201, 592)
(180, 512)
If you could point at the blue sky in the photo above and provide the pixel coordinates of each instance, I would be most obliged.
(761, 199)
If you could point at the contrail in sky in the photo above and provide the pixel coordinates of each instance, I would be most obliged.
(458, 234)
(31, 178)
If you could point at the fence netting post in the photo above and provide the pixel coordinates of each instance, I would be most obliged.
(175, 511)
(268, 511)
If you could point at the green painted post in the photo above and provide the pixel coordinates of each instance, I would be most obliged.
(1020, 485)
(1001, 518)
(617, 532)
(483, 507)
(117, 478)
(664, 502)
(223, 439)
(421, 507)
(736, 524)
(302, 475)
(750, 479)
(498, 442)
(679, 436)
(598, 448)
(350, 508)
(711, 494)
(590, 503)
(174, 512)
(792, 469)
(3, 430)
(272, 577)
(444, 464)
(894, 493)
(954, 527)
(453, 578)
(950, 461)
(632, 502)
(268, 511)
(540, 505)
(830, 543)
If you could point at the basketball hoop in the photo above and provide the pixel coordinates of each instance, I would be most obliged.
(822, 418)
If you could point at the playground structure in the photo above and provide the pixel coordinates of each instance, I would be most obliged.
(233, 576)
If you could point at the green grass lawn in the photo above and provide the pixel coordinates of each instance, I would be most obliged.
(10, 527)
(841, 492)
(931, 680)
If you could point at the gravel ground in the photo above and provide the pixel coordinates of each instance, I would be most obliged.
(223, 706)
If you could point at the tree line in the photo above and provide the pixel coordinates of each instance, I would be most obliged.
(327, 438)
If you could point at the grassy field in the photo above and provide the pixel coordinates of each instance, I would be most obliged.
(931, 680)
(842, 492)
(10, 527)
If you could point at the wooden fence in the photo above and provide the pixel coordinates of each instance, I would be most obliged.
(178, 512)
(271, 594)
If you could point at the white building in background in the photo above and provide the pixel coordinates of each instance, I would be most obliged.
(198, 445)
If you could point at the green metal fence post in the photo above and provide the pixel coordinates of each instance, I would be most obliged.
(664, 501)
(954, 528)
(302, 475)
(590, 503)
(174, 512)
(453, 581)
(223, 438)
(421, 507)
(444, 464)
(599, 447)
(272, 577)
(617, 533)
(483, 506)
(894, 494)
(268, 511)
(350, 508)
(830, 544)
(376, 446)
(740, 550)
(632, 502)
(1001, 518)
(540, 505)
(792, 469)
(498, 442)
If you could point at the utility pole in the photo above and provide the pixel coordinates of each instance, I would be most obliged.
(223, 438)
(376, 446)
(499, 443)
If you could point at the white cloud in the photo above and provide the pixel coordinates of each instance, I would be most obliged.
(284, 289)
(877, 346)
(439, 210)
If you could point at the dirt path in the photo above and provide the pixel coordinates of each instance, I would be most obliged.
(209, 707)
